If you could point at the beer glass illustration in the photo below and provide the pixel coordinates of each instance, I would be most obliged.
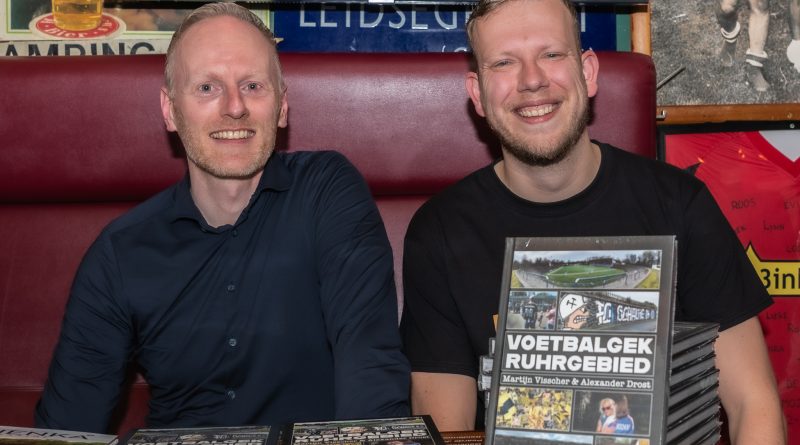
(77, 15)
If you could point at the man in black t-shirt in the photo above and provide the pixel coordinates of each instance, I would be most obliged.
(533, 85)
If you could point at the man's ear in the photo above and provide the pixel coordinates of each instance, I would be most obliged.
(474, 90)
(283, 115)
(591, 67)
(166, 110)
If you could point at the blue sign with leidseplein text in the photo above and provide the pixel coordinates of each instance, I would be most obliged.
(320, 27)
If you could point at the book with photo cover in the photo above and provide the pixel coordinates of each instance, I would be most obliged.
(690, 334)
(699, 429)
(691, 423)
(232, 435)
(698, 339)
(712, 437)
(583, 341)
(17, 435)
(693, 353)
(414, 430)
(694, 368)
(693, 404)
(693, 386)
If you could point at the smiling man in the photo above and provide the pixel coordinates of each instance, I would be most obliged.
(258, 283)
(533, 85)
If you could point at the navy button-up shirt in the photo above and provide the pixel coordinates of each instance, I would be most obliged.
(287, 315)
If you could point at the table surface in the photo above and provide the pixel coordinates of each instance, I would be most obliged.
(463, 437)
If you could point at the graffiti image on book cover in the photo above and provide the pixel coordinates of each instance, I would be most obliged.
(569, 310)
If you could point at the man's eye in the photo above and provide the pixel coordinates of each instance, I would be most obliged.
(205, 88)
(252, 86)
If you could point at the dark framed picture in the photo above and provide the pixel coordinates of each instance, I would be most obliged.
(726, 60)
(753, 171)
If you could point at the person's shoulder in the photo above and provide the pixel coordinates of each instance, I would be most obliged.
(449, 209)
(319, 168)
(135, 224)
(467, 191)
(651, 166)
(313, 159)
(154, 207)
(665, 177)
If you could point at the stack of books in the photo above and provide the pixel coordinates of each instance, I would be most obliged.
(599, 372)
(485, 374)
(693, 414)
(415, 430)
(20, 435)
(694, 406)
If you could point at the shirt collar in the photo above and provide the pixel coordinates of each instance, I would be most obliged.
(276, 176)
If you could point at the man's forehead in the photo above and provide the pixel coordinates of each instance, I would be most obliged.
(497, 24)
(547, 10)
(221, 30)
(225, 37)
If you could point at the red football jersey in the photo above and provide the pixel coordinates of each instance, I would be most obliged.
(758, 189)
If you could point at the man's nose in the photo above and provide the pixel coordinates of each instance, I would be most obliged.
(234, 106)
(532, 76)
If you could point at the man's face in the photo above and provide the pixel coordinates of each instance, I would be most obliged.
(227, 100)
(532, 84)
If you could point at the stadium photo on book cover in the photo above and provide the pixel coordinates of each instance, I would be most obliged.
(585, 325)
(583, 302)
(622, 269)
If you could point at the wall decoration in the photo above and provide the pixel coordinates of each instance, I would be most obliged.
(700, 67)
(404, 28)
(31, 28)
(753, 171)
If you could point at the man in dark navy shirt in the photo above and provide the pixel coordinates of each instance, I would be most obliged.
(257, 290)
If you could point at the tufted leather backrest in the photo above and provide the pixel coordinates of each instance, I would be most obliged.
(82, 140)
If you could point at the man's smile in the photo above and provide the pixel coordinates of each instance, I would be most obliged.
(233, 134)
(536, 111)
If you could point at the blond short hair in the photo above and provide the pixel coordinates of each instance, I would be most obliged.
(211, 10)
(486, 7)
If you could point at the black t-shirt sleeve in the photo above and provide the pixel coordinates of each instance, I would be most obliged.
(435, 337)
(716, 281)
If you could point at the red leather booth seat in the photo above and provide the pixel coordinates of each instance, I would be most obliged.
(82, 140)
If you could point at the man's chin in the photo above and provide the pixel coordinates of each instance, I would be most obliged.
(535, 157)
(231, 172)
(236, 175)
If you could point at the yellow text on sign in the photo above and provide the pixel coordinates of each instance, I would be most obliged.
(781, 278)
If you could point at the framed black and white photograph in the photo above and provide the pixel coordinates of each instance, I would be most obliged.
(727, 59)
